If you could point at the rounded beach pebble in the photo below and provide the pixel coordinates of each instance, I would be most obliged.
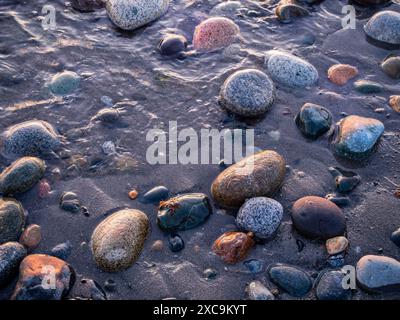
(215, 33)
(30, 138)
(290, 70)
(132, 14)
(384, 27)
(11, 254)
(340, 74)
(233, 246)
(12, 219)
(316, 217)
(329, 286)
(260, 215)
(248, 93)
(64, 83)
(21, 175)
(118, 240)
(258, 175)
(313, 120)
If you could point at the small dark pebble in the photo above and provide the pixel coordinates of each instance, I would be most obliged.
(210, 274)
(176, 243)
(69, 202)
(155, 195)
(173, 45)
(300, 245)
(254, 265)
(395, 237)
(338, 200)
(110, 285)
(62, 250)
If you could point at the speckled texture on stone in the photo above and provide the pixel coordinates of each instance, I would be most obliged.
(30, 138)
(290, 70)
(260, 215)
(248, 93)
(64, 83)
(215, 33)
(21, 175)
(132, 14)
(329, 286)
(118, 240)
(11, 254)
(357, 137)
(291, 279)
(384, 26)
(12, 219)
(378, 273)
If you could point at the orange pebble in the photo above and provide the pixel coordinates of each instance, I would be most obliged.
(341, 73)
(133, 194)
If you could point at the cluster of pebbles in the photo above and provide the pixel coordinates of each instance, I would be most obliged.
(247, 186)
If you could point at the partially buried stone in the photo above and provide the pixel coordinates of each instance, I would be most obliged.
(173, 45)
(21, 175)
(64, 83)
(107, 115)
(30, 138)
(183, 212)
(313, 120)
(62, 250)
(378, 273)
(391, 66)
(132, 14)
(329, 286)
(287, 12)
(233, 246)
(11, 254)
(257, 291)
(119, 239)
(345, 181)
(69, 201)
(257, 175)
(32, 284)
(357, 137)
(340, 74)
(292, 279)
(215, 33)
(317, 217)
(247, 93)
(31, 236)
(12, 219)
(261, 216)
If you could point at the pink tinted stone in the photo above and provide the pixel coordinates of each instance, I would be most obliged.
(215, 33)
(44, 188)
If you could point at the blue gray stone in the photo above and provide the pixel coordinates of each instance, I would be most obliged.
(62, 250)
(313, 120)
(378, 273)
(64, 83)
(257, 291)
(260, 215)
(248, 93)
(11, 254)
(368, 87)
(30, 138)
(290, 70)
(329, 286)
(384, 26)
(132, 14)
(292, 279)
(155, 195)
(357, 137)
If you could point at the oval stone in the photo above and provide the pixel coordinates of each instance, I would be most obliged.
(119, 239)
(214, 33)
(340, 74)
(258, 175)
(329, 286)
(11, 254)
(316, 217)
(21, 175)
(391, 66)
(132, 14)
(290, 70)
(64, 83)
(247, 93)
(12, 219)
(233, 246)
(183, 212)
(378, 273)
(257, 291)
(384, 27)
(357, 137)
(262, 216)
(313, 120)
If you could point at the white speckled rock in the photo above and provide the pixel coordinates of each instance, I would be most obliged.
(118, 240)
(290, 70)
(260, 215)
(248, 93)
(132, 14)
(384, 26)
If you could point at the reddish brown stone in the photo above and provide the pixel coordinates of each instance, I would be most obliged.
(31, 236)
(341, 73)
(233, 246)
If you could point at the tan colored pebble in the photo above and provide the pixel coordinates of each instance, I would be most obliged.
(336, 245)
(31, 236)
(133, 194)
(158, 245)
(394, 102)
(341, 73)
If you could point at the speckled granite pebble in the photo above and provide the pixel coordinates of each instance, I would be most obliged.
(384, 26)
